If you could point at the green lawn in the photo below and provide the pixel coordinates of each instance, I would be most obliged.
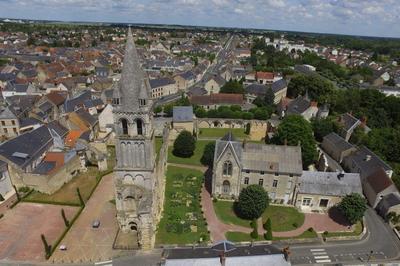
(224, 212)
(305, 234)
(195, 159)
(283, 218)
(357, 231)
(220, 132)
(67, 193)
(159, 142)
(241, 237)
(182, 221)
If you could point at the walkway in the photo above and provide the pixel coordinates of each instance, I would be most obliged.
(190, 166)
(320, 223)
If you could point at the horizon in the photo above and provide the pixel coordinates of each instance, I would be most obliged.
(371, 18)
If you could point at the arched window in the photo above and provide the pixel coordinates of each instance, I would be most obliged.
(227, 170)
(226, 187)
(124, 126)
(139, 126)
(246, 180)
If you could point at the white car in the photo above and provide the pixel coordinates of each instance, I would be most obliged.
(63, 247)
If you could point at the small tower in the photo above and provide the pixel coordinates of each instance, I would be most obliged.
(134, 173)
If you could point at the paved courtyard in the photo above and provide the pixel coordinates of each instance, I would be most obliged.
(84, 243)
(21, 227)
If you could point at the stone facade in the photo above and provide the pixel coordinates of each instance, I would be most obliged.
(138, 188)
(237, 165)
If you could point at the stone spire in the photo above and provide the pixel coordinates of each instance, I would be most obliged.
(133, 84)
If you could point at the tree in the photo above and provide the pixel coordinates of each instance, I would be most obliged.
(269, 97)
(295, 130)
(184, 144)
(353, 207)
(232, 86)
(247, 129)
(268, 227)
(323, 127)
(157, 109)
(168, 109)
(47, 247)
(78, 192)
(318, 89)
(66, 222)
(208, 154)
(253, 200)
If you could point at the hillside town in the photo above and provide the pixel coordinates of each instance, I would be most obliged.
(150, 146)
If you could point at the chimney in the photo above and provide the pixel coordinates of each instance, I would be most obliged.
(368, 158)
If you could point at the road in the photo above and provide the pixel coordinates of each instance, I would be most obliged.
(380, 240)
(219, 61)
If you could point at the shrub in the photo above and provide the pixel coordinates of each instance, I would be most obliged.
(326, 233)
(215, 199)
(268, 235)
(208, 155)
(268, 227)
(295, 225)
(254, 233)
(184, 145)
(310, 229)
(1, 197)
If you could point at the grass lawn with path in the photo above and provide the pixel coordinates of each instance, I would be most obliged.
(182, 221)
(244, 237)
(159, 142)
(358, 228)
(220, 132)
(194, 160)
(282, 217)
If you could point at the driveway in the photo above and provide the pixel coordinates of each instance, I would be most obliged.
(21, 227)
(84, 243)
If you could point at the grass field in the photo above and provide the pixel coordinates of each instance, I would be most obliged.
(358, 228)
(305, 234)
(67, 193)
(241, 237)
(282, 218)
(224, 211)
(182, 221)
(220, 132)
(194, 160)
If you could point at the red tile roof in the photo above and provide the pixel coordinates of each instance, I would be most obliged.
(264, 75)
(379, 180)
(217, 98)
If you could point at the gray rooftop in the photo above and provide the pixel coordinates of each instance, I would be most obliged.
(156, 83)
(330, 183)
(348, 121)
(338, 142)
(279, 85)
(182, 114)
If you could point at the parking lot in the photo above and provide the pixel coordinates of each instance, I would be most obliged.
(87, 244)
(21, 227)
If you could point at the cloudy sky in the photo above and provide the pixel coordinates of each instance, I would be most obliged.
(360, 17)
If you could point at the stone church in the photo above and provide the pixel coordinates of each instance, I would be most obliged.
(138, 189)
(239, 164)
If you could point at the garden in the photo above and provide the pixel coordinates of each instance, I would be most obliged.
(216, 133)
(194, 159)
(182, 221)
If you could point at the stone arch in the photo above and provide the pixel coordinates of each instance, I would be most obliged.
(293, 50)
(124, 126)
(139, 180)
(226, 187)
(128, 179)
(133, 226)
(216, 123)
(139, 127)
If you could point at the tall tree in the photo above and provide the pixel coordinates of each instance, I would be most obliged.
(269, 97)
(184, 145)
(295, 130)
(353, 207)
(253, 200)
(208, 155)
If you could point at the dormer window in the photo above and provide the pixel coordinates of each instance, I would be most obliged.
(142, 102)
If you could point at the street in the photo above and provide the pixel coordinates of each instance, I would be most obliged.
(379, 244)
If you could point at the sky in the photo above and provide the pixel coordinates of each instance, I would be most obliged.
(354, 17)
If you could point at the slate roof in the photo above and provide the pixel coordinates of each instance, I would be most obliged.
(33, 143)
(260, 157)
(298, 106)
(7, 114)
(256, 89)
(379, 180)
(329, 183)
(58, 128)
(348, 121)
(279, 85)
(156, 83)
(182, 114)
(44, 168)
(339, 143)
(29, 121)
(388, 201)
(71, 104)
(196, 91)
(367, 166)
(85, 116)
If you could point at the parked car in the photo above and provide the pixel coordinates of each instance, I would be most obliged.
(96, 224)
